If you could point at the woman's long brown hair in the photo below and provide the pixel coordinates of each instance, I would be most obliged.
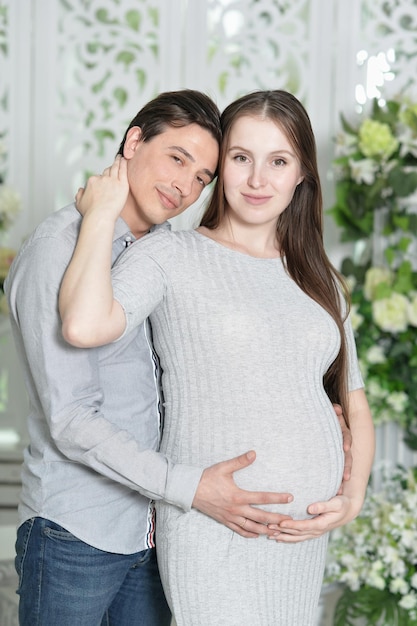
(300, 226)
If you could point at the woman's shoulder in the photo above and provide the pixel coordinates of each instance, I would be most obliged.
(163, 239)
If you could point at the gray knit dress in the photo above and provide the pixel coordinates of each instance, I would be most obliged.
(243, 352)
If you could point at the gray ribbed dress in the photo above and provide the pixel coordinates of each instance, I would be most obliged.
(243, 352)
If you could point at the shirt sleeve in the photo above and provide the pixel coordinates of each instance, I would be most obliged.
(65, 386)
(138, 278)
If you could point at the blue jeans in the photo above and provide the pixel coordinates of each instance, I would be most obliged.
(65, 582)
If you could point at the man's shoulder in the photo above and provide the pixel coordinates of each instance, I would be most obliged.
(62, 224)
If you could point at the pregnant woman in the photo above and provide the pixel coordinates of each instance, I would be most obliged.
(251, 325)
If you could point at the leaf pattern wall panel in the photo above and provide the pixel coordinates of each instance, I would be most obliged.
(390, 27)
(108, 57)
(257, 44)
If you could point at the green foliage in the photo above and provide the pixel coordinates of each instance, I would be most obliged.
(376, 182)
(379, 607)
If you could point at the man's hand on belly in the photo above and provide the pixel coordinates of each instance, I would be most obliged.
(219, 497)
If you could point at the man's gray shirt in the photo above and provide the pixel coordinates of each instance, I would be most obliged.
(94, 423)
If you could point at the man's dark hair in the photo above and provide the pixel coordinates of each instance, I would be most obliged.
(176, 108)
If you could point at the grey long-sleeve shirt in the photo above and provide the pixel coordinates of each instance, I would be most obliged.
(94, 422)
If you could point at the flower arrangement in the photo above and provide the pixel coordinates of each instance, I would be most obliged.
(9, 200)
(376, 167)
(375, 557)
(9, 208)
(384, 319)
(376, 207)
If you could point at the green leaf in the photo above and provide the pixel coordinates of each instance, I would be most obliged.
(101, 135)
(222, 81)
(403, 183)
(141, 77)
(121, 96)
(378, 607)
(102, 15)
(125, 57)
(134, 19)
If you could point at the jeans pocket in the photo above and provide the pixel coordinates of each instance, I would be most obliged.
(22, 541)
(53, 531)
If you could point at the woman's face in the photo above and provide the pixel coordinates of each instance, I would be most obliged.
(261, 171)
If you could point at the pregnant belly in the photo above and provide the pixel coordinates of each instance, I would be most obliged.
(310, 473)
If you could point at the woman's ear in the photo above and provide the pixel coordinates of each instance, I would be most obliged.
(133, 138)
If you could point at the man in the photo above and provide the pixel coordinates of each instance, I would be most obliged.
(85, 545)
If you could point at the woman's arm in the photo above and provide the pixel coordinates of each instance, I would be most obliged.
(90, 315)
(344, 507)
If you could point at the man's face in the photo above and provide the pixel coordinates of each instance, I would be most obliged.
(167, 173)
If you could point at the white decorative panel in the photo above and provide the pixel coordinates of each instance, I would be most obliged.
(257, 44)
(390, 27)
(108, 57)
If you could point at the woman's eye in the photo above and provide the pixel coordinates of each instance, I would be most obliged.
(240, 158)
(279, 162)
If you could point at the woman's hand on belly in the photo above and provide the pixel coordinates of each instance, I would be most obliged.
(328, 515)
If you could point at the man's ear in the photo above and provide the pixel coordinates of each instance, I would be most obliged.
(133, 138)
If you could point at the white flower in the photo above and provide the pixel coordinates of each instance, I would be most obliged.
(398, 400)
(374, 389)
(350, 283)
(9, 206)
(408, 602)
(376, 354)
(356, 318)
(363, 171)
(374, 277)
(376, 580)
(398, 585)
(408, 142)
(391, 313)
(413, 581)
(345, 144)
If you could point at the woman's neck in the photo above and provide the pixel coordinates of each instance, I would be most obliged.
(256, 241)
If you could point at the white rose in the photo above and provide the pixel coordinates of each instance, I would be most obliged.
(376, 354)
(398, 400)
(356, 318)
(408, 602)
(399, 585)
(375, 390)
(391, 313)
(373, 277)
(375, 580)
(350, 283)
